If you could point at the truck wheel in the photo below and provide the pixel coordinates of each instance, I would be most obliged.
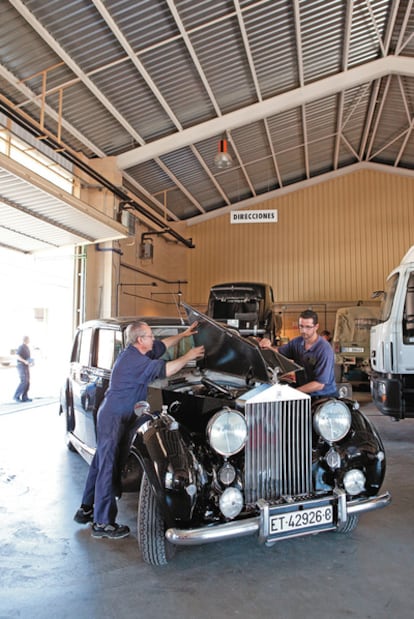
(349, 525)
(155, 548)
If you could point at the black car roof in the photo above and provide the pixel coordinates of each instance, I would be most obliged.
(256, 288)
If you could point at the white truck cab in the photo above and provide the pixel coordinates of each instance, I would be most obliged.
(392, 344)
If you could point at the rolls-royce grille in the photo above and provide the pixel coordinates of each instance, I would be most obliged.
(278, 450)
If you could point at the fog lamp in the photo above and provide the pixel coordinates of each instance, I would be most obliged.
(354, 482)
(231, 502)
(382, 392)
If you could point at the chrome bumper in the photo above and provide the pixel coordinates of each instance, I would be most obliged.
(368, 505)
(250, 526)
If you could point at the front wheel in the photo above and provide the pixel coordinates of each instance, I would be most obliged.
(155, 548)
(70, 425)
(349, 525)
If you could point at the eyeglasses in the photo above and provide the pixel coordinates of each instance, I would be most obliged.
(151, 336)
(306, 327)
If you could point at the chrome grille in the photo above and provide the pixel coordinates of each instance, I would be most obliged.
(278, 450)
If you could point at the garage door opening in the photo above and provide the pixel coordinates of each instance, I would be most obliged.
(37, 301)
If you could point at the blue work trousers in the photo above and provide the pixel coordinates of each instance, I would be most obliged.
(113, 430)
(23, 386)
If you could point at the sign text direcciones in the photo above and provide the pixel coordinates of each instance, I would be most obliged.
(254, 217)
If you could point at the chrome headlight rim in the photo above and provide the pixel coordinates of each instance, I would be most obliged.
(227, 432)
(332, 420)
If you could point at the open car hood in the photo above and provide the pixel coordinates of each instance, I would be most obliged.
(227, 351)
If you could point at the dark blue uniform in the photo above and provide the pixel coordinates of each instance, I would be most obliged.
(131, 374)
(317, 362)
(24, 374)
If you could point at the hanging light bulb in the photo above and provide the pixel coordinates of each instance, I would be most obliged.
(223, 158)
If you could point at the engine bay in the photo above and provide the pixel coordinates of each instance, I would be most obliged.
(210, 384)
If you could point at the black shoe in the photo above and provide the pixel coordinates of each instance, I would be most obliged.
(17, 399)
(111, 531)
(27, 400)
(83, 515)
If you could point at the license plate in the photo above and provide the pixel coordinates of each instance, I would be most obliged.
(314, 517)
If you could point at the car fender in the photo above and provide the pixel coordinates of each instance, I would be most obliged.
(169, 465)
(365, 440)
(362, 448)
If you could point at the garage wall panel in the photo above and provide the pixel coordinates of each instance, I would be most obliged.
(334, 241)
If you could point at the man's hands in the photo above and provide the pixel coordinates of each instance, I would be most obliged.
(195, 353)
(265, 343)
(192, 329)
(175, 365)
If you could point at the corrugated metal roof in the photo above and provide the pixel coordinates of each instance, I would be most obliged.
(34, 215)
(300, 89)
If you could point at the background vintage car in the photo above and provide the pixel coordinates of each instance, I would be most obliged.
(96, 345)
(245, 306)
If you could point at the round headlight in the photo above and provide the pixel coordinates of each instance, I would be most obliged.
(231, 502)
(227, 432)
(354, 482)
(332, 420)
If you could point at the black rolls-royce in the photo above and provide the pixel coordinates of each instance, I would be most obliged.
(228, 450)
(224, 449)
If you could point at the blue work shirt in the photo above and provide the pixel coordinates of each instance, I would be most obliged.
(131, 375)
(318, 363)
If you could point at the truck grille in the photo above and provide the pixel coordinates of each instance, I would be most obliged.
(278, 450)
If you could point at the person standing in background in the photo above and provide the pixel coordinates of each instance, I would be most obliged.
(23, 367)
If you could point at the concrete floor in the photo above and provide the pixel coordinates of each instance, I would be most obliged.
(50, 567)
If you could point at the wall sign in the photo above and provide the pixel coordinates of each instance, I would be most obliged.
(268, 216)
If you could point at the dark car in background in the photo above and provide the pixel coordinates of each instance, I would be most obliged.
(96, 345)
(224, 449)
(245, 306)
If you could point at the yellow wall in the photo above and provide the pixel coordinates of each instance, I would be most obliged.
(136, 296)
(334, 244)
(335, 241)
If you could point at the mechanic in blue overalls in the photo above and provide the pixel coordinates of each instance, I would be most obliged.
(314, 354)
(136, 366)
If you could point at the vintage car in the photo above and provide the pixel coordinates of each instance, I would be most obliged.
(248, 307)
(225, 449)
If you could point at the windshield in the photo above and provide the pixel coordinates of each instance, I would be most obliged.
(388, 298)
(231, 309)
(180, 348)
